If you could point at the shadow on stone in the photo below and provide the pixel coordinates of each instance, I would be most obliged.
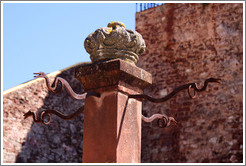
(61, 140)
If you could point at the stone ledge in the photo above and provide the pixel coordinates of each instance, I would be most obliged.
(113, 72)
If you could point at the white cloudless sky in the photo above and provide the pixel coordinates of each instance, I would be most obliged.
(50, 36)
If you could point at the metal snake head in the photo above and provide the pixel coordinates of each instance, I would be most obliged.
(171, 119)
(26, 115)
(39, 75)
(166, 121)
(217, 80)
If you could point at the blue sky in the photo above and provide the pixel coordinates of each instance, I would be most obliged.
(50, 36)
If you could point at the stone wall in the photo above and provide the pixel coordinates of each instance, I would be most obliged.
(189, 43)
(26, 141)
(185, 43)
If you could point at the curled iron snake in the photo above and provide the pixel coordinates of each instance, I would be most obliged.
(163, 120)
(64, 84)
(176, 90)
(44, 113)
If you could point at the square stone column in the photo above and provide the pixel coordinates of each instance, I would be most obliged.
(112, 122)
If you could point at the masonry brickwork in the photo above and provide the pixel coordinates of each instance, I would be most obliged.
(189, 43)
(185, 43)
(25, 141)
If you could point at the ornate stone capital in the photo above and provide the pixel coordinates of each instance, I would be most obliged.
(114, 42)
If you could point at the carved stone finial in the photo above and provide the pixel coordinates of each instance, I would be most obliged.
(114, 42)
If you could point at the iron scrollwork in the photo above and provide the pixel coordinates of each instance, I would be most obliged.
(45, 117)
(163, 120)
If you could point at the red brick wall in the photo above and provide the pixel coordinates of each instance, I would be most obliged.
(185, 43)
(189, 43)
(25, 141)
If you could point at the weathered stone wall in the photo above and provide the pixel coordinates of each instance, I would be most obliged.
(185, 43)
(25, 141)
(189, 43)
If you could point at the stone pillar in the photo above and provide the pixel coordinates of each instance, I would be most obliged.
(112, 122)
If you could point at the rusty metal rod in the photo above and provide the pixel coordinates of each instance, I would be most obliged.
(163, 120)
(176, 90)
(153, 117)
(44, 113)
(64, 83)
